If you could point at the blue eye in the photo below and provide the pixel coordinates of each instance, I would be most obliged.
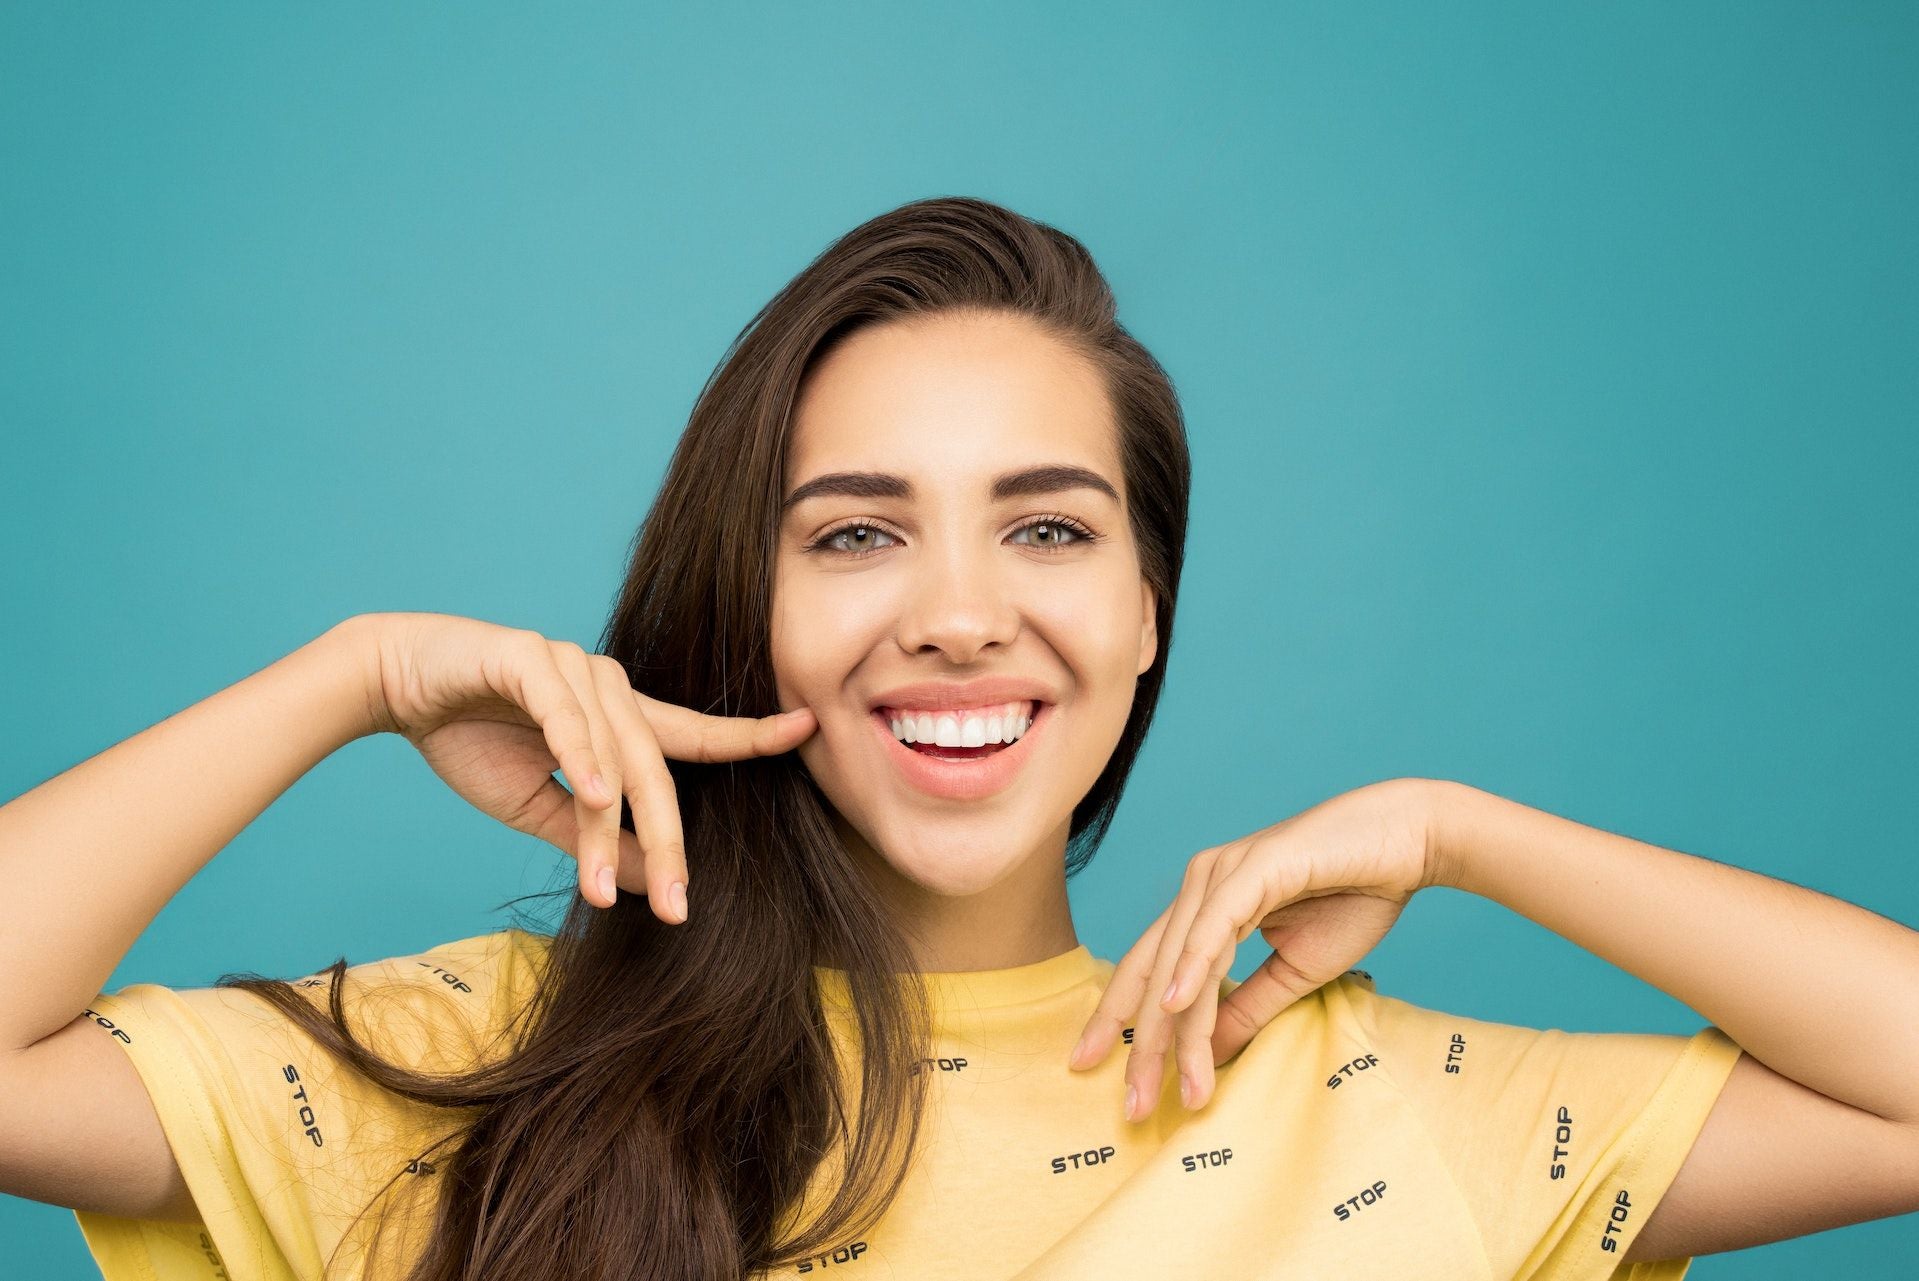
(1057, 524)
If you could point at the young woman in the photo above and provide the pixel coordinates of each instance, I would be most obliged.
(932, 505)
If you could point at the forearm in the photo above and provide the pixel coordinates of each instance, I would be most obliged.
(89, 857)
(1817, 989)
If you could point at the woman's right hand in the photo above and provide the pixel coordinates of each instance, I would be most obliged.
(496, 710)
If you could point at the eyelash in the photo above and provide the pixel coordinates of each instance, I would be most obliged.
(1081, 532)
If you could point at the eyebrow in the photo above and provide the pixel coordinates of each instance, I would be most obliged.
(1050, 478)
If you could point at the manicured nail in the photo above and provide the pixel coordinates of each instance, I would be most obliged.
(1172, 991)
(1186, 1089)
(606, 883)
(1079, 1051)
(676, 893)
(1132, 1100)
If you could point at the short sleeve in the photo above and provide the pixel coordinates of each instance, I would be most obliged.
(281, 1144)
(1561, 1143)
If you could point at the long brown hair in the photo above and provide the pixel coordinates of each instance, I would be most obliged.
(672, 1091)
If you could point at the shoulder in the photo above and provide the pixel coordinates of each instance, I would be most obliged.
(504, 958)
(441, 1005)
(1345, 995)
(1330, 1015)
(504, 961)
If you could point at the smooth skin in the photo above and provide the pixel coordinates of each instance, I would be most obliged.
(495, 711)
(981, 529)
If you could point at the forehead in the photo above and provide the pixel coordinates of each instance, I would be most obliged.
(953, 398)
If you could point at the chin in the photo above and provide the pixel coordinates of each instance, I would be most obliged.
(956, 867)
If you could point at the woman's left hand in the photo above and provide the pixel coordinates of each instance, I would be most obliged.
(1322, 887)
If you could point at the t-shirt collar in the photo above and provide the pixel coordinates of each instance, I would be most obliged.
(978, 989)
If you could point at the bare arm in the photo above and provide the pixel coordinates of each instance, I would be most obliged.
(1817, 1126)
(89, 857)
(1820, 990)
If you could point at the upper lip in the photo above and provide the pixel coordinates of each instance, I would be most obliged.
(933, 696)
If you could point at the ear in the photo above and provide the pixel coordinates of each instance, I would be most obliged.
(1148, 626)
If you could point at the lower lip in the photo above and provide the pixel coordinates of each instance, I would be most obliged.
(962, 780)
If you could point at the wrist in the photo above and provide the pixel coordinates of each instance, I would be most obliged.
(351, 647)
(1448, 807)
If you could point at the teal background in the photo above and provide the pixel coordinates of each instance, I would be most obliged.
(1551, 381)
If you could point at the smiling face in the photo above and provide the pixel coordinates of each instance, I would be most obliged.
(933, 576)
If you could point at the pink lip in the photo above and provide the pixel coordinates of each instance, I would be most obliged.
(962, 780)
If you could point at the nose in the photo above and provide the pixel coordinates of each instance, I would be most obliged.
(959, 603)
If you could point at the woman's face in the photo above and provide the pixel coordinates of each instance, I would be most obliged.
(910, 569)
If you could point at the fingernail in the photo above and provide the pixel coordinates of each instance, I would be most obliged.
(1079, 1051)
(1172, 991)
(599, 785)
(606, 883)
(1132, 1100)
(677, 893)
(1186, 1089)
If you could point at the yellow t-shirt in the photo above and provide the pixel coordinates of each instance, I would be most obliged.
(1355, 1135)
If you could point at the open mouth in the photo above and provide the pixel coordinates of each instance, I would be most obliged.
(957, 753)
(957, 772)
(1001, 727)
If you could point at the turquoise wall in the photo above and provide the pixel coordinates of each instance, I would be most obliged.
(1551, 380)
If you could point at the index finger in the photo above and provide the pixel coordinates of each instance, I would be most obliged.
(687, 735)
(1226, 919)
(1120, 1001)
(537, 684)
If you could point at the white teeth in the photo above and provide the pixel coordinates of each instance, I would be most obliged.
(975, 727)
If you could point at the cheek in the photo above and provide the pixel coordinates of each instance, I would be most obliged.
(802, 643)
(817, 661)
(1096, 632)
(820, 639)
